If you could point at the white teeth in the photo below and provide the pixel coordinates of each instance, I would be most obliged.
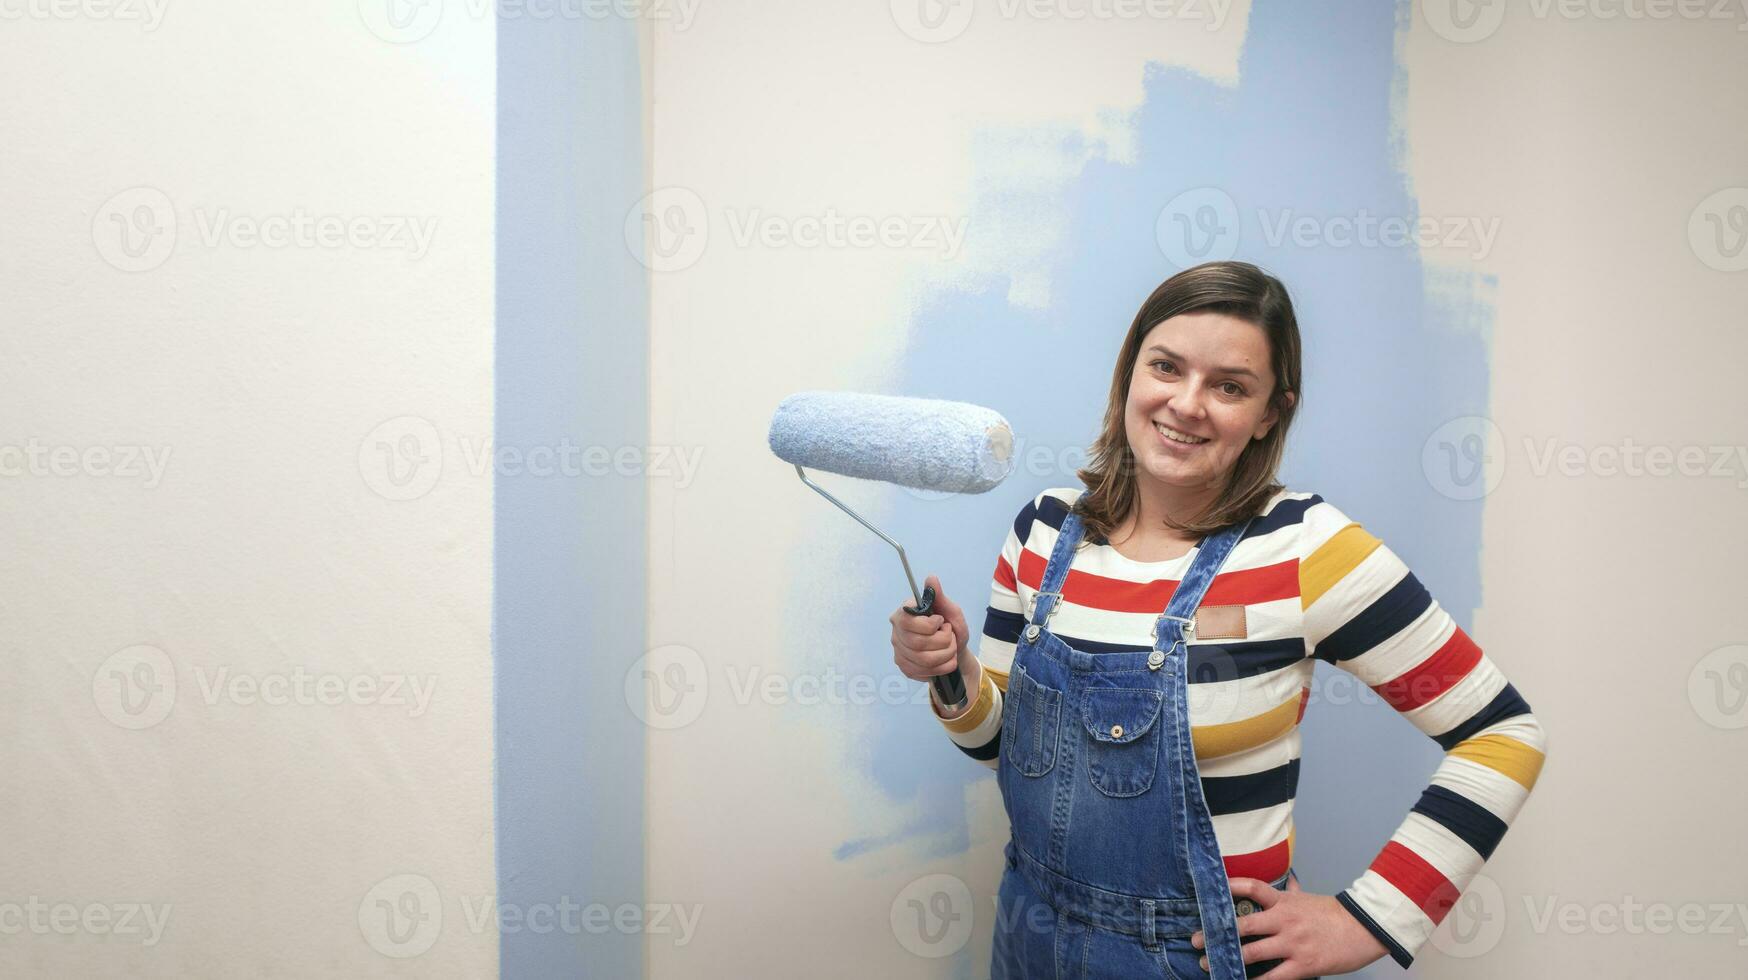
(1176, 436)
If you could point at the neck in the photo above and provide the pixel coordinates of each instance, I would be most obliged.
(1155, 501)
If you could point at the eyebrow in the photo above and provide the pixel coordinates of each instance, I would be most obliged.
(1222, 370)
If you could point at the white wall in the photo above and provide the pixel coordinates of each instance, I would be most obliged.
(264, 548)
(1613, 586)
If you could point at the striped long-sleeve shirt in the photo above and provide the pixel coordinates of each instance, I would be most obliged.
(1312, 585)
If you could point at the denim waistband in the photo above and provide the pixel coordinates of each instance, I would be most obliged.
(1151, 919)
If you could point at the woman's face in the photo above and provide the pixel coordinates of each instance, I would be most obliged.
(1206, 377)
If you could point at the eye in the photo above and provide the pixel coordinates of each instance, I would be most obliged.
(1165, 362)
(1238, 389)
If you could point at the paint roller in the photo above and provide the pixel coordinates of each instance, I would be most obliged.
(923, 443)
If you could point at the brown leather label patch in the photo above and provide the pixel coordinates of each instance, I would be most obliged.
(1221, 623)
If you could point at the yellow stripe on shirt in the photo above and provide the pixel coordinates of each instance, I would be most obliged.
(1213, 741)
(979, 710)
(1504, 755)
(1332, 560)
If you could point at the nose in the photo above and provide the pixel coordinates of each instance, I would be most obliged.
(1186, 401)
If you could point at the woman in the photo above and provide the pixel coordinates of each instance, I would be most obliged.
(1148, 840)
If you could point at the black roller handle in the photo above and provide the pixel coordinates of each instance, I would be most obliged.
(949, 687)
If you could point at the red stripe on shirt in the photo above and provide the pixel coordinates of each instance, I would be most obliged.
(1265, 584)
(1433, 676)
(1238, 587)
(1004, 574)
(1266, 865)
(1424, 884)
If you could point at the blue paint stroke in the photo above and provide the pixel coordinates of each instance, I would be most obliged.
(568, 597)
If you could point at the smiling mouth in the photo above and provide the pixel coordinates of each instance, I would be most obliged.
(1181, 438)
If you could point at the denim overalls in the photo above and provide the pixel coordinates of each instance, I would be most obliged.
(1113, 861)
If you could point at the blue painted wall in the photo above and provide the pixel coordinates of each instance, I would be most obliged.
(569, 556)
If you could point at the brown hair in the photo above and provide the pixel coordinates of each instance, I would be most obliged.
(1237, 289)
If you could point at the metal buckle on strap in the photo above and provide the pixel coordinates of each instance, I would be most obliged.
(1189, 622)
(1188, 628)
(1032, 603)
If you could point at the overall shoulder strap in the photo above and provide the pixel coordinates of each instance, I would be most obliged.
(1056, 570)
(1211, 553)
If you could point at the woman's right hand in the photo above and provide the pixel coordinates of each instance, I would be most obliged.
(925, 647)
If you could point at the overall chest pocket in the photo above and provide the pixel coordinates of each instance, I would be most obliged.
(1032, 725)
(1123, 750)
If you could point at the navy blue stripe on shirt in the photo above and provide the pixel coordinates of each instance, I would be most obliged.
(1284, 514)
(1388, 615)
(1252, 791)
(1506, 704)
(986, 751)
(1244, 658)
(1473, 823)
(999, 624)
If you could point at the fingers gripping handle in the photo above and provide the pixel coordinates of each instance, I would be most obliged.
(949, 687)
